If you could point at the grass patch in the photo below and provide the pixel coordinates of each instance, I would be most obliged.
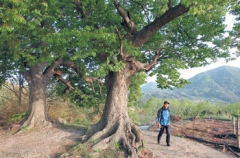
(81, 149)
(18, 117)
(113, 152)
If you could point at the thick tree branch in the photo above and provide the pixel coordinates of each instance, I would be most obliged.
(73, 66)
(143, 35)
(50, 70)
(147, 66)
(58, 75)
(77, 70)
(122, 54)
(127, 23)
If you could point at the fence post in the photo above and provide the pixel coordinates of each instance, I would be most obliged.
(238, 133)
(234, 125)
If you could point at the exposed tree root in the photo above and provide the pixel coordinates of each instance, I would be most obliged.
(33, 122)
(127, 135)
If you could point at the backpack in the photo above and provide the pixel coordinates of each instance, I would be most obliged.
(159, 113)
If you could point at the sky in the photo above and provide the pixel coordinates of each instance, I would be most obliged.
(188, 73)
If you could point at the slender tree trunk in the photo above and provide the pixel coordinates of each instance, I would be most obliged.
(115, 124)
(20, 90)
(37, 115)
(238, 133)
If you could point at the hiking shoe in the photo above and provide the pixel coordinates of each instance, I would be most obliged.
(168, 144)
(158, 142)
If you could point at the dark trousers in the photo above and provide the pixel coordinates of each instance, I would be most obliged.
(161, 132)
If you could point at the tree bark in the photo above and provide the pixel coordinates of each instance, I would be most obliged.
(37, 77)
(37, 82)
(115, 124)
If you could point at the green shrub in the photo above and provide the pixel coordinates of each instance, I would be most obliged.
(18, 117)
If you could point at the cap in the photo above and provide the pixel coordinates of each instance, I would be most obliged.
(166, 102)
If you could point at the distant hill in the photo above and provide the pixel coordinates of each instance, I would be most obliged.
(217, 85)
(149, 87)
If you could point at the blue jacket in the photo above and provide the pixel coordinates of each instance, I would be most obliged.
(164, 116)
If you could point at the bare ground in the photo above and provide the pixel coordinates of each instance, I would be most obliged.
(51, 142)
(180, 148)
(214, 137)
(38, 143)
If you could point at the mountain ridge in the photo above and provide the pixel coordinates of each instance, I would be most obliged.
(216, 85)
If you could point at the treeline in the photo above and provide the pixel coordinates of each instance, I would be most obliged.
(145, 112)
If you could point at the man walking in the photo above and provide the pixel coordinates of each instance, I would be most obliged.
(164, 119)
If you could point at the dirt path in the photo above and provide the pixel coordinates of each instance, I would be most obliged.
(180, 148)
(44, 143)
(50, 142)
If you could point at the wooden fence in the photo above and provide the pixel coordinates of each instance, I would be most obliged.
(236, 129)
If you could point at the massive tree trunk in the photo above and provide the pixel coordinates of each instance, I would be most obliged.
(37, 82)
(37, 77)
(115, 124)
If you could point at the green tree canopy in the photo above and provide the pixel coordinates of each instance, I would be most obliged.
(113, 40)
(236, 29)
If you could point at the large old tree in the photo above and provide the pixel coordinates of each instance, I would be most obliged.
(37, 42)
(113, 40)
(159, 37)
